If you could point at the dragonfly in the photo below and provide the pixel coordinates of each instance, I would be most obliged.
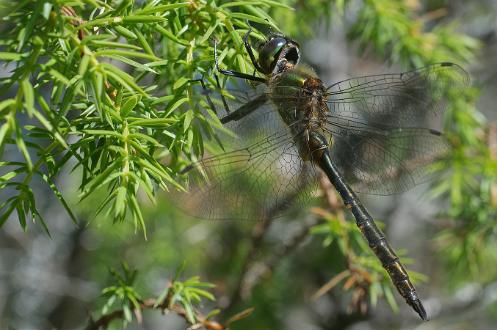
(372, 134)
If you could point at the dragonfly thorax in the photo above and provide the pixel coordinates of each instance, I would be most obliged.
(300, 98)
(314, 89)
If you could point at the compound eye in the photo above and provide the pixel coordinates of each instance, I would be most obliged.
(269, 53)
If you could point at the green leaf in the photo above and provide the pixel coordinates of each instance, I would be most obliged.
(59, 196)
(248, 17)
(135, 208)
(189, 312)
(29, 25)
(22, 146)
(113, 44)
(96, 181)
(180, 82)
(151, 122)
(5, 56)
(145, 138)
(59, 77)
(37, 215)
(169, 35)
(12, 206)
(6, 104)
(155, 168)
(12, 174)
(188, 120)
(143, 41)
(163, 99)
(203, 293)
(133, 19)
(160, 300)
(157, 63)
(123, 78)
(47, 9)
(104, 133)
(129, 105)
(175, 105)
(146, 184)
(29, 96)
(133, 63)
(128, 316)
(48, 126)
(125, 32)
(83, 66)
(125, 53)
(119, 202)
(390, 299)
(22, 216)
(162, 8)
(4, 132)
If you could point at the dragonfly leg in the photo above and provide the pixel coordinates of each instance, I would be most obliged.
(225, 104)
(206, 92)
(250, 51)
(237, 114)
(235, 73)
(376, 239)
(245, 109)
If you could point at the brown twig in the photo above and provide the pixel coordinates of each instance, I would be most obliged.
(330, 284)
(104, 321)
(76, 20)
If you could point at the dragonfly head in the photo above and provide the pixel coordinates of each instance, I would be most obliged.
(277, 54)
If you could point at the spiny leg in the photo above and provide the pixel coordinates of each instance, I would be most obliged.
(245, 109)
(226, 106)
(235, 73)
(237, 114)
(205, 92)
(250, 52)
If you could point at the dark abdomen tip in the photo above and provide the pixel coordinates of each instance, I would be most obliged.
(419, 308)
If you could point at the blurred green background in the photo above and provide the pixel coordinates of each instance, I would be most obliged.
(445, 231)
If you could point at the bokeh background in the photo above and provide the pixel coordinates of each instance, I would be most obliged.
(56, 282)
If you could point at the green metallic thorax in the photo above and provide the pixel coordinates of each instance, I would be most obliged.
(300, 99)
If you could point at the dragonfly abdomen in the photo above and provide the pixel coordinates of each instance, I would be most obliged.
(374, 236)
(390, 261)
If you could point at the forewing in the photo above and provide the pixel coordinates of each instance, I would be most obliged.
(410, 99)
(384, 127)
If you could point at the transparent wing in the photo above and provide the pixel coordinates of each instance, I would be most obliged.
(385, 128)
(409, 99)
(247, 129)
(384, 161)
(259, 175)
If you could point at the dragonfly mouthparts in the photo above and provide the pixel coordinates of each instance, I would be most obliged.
(418, 307)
